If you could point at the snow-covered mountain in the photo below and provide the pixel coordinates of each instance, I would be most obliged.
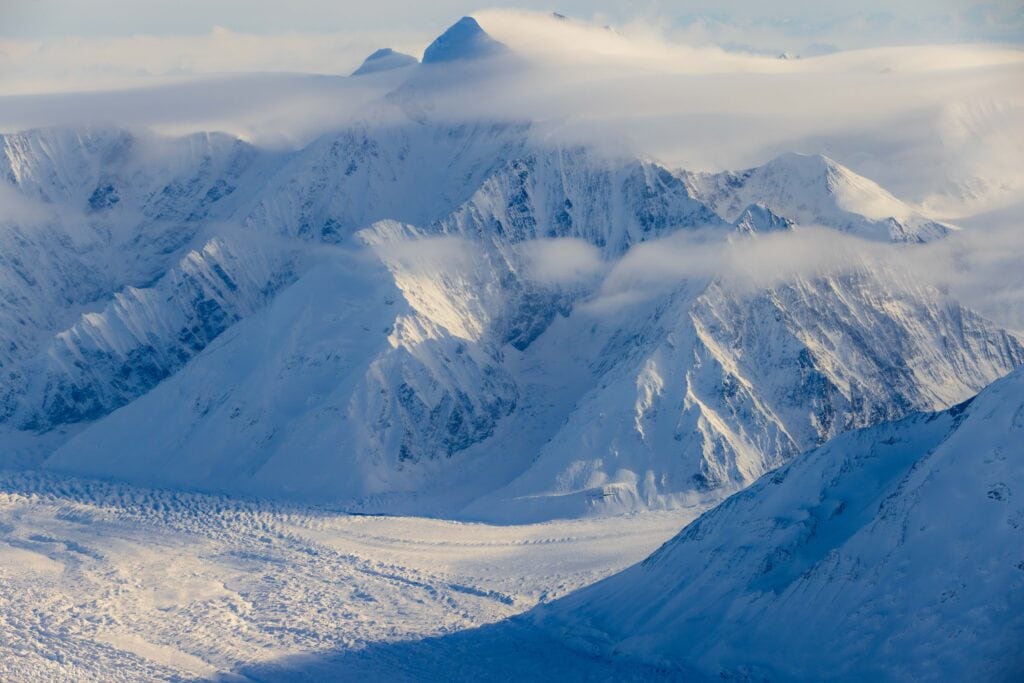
(477, 373)
(464, 40)
(436, 379)
(890, 553)
(384, 59)
(415, 312)
(813, 189)
(716, 386)
(110, 276)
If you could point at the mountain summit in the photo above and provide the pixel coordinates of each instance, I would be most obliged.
(811, 189)
(384, 59)
(464, 40)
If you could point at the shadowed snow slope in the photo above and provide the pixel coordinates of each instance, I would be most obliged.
(464, 40)
(714, 387)
(891, 553)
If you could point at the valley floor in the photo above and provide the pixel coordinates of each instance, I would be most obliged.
(102, 581)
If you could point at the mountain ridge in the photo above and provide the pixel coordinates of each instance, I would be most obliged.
(812, 188)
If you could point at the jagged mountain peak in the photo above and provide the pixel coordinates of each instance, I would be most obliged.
(814, 189)
(384, 59)
(464, 40)
(758, 219)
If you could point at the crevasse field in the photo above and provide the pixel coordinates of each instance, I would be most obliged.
(110, 582)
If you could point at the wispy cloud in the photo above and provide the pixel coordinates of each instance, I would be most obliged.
(564, 261)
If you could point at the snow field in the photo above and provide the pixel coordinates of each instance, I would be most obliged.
(110, 582)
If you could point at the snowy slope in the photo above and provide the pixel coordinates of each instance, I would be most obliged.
(890, 553)
(463, 41)
(264, 406)
(718, 384)
(96, 217)
(685, 401)
(103, 581)
(813, 189)
(384, 167)
(612, 203)
(110, 357)
(114, 274)
(124, 257)
(92, 210)
(433, 380)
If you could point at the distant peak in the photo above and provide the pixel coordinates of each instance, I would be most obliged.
(799, 158)
(758, 218)
(804, 164)
(384, 59)
(464, 40)
(382, 53)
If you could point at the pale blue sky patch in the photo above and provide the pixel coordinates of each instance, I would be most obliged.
(867, 22)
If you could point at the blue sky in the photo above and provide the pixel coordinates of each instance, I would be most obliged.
(858, 23)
